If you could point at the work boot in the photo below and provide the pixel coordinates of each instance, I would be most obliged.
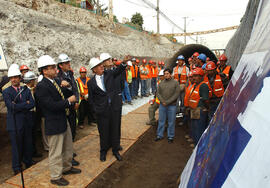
(72, 171)
(74, 162)
(117, 156)
(60, 182)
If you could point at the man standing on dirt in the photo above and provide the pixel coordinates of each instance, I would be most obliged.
(168, 91)
(55, 109)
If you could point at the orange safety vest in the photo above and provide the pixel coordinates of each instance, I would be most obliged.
(218, 88)
(195, 96)
(188, 91)
(134, 72)
(183, 76)
(150, 71)
(143, 76)
(154, 72)
(225, 71)
(83, 87)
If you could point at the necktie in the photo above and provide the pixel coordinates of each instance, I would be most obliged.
(62, 95)
(18, 91)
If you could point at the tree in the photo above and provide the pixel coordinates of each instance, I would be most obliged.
(137, 19)
(115, 19)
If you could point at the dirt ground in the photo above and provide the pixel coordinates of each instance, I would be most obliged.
(148, 163)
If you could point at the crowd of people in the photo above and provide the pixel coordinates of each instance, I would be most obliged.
(59, 103)
(193, 89)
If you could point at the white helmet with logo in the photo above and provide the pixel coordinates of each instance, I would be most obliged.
(62, 58)
(29, 76)
(94, 62)
(105, 56)
(45, 60)
(14, 70)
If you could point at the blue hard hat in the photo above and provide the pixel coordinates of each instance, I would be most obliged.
(180, 57)
(204, 66)
(202, 57)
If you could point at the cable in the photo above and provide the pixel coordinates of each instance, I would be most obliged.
(140, 5)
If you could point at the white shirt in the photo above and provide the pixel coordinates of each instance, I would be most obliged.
(99, 82)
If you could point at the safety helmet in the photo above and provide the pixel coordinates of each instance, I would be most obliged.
(29, 76)
(162, 63)
(133, 59)
(118, 63)
(190, 59)
(24, 67)
(114, 59)
(150, 61)
(159, 63)
(83, 69)
(161, 73)
(210, 66)
(129, 63)
(104, 57)
(196, 54)
(223, 57)
(144, 61)
(218, 62)
(202, 57)
(94, 62)
(14, 70)
(207, 59)
(45, 60)
(198, 71)
(62, 58)
(137, 61)
(180, 57)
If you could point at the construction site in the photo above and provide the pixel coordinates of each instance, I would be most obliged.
(84, 30)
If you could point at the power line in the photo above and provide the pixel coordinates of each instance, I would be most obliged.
(140, 5)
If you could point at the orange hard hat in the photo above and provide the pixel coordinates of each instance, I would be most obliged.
(198, 71)
(83, 69)
(218, 62)
(162, 62)
(196, 54)
(207, 59)
(24, 67)
(118, 63)
(144, 61)
(137, 61)
(210, 66)
(150, 61)
(190, 59)
(223, 57)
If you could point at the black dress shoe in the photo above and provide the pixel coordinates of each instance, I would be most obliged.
(158, 139)
(60, 182)
(170, 140)
(120, 148)
(72, 171)
(102, 157)
(74, 162)
(74, 155)
(117, 156)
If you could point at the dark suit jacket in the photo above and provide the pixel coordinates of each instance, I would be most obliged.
(21, 108)
(52, 106)
(99, 98)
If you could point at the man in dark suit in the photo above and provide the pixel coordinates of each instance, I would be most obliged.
(19, 102)
(106, 99)
(55, 109)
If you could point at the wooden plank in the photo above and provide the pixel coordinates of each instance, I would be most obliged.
(87, 148)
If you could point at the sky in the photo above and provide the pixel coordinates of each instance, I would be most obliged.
(202, 15)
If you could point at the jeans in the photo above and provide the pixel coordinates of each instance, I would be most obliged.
(143, 87)
(148, 85)
(126, 93)
(134, 87)
(198, 126)
(83, 4)
(154, 85)
(164, 113)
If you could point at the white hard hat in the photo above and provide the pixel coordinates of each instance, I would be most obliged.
(105, 56)
(14, 70)
(129, 63)
(62, 58)
(161, 73)
(29, 76)
(94, 62)
(45, 60)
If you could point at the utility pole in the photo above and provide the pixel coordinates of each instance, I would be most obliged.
(185, 29)
(158, 17)
(111, 10)
(97, 7)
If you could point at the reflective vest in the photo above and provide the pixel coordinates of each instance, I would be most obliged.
(157, 100)
(194, 97)
(83, 87)
(144, 72)
(218, 88)
(134, 72)
(154, 72)
(129, 76)
(225, 71)
(183, 76)
(149, 71)
(188, 91)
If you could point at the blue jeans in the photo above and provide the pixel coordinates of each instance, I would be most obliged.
(148, 86)
(83, 4)
(143, 87)
(154, 85)
(198, 126)
(164, 113)
(126, 93)
(134, 87)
